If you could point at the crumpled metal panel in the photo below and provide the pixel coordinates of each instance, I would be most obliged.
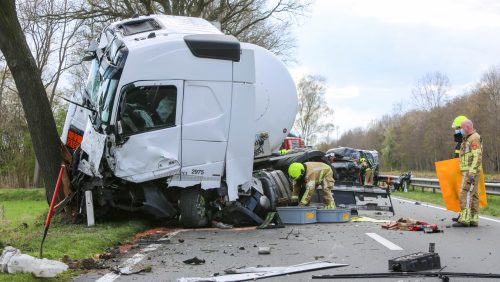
(93, 144)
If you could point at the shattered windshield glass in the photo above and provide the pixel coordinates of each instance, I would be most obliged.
(106, 98)
(93, 81)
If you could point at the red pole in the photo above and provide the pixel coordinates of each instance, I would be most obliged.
(52, 205)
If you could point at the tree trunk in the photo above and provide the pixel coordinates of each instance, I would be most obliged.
(36, 175)
(33, 97)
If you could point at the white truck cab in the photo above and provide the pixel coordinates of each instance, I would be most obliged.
(179, 114)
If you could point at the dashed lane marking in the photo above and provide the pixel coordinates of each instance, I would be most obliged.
(443, 209)
(388, 244)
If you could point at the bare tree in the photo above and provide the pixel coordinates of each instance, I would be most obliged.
(490, 85)
(431, 91)
(262, 22)
(313, 110)
(32, 93)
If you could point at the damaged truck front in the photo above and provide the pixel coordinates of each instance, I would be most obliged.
(181, 121)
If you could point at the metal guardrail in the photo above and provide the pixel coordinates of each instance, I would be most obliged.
(491, 188)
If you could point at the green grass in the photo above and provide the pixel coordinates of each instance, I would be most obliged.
(493, 207)
(22, 227)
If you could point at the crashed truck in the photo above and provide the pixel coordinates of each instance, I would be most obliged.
(181, 121)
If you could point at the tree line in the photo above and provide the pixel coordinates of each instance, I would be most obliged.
(414, 137)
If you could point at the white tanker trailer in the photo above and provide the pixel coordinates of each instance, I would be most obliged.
(180, 120)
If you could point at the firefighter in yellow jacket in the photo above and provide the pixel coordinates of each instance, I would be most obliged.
(367, 171)
(470, 166)
(312, 174)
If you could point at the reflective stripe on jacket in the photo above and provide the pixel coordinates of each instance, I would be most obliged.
(471, 154)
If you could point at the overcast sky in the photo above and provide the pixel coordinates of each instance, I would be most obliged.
(372, 52)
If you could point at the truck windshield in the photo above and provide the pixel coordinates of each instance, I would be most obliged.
(106, 99)
(93, 81)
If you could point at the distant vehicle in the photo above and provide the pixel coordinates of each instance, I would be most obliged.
(292, 142)
(345, 162)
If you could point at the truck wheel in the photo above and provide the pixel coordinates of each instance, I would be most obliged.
(193, 208)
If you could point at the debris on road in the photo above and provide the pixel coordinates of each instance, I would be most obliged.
(368, 219)
(13, 261)
(253, 273)
(221, 225)
(264, 250)
(415, 262)
(194, 261)
(411, 225)
(444, 276)
(132, 269)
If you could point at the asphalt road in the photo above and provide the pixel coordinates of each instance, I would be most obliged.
(460, 249)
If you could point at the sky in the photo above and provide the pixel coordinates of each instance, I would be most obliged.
(372, 52)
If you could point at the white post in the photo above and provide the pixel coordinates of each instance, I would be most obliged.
(90, 208)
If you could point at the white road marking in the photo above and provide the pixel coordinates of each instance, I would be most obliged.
(110, 277)
(390, 245)
(441, 208)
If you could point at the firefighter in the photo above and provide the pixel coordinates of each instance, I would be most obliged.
(284, 151)
(367, 171)
(457, 122)
(312, 174)
(470, 166)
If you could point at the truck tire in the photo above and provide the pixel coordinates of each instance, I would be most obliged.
(193, 208)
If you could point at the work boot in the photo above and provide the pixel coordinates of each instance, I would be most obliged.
(460, 224)
(474, 220)
(463, 220)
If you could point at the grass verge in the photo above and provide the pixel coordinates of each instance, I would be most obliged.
(493, 207)
(22, 216)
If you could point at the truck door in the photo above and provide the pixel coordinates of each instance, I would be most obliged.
(205, 129)
(149, 127)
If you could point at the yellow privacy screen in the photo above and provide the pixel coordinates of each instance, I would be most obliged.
(450, 178)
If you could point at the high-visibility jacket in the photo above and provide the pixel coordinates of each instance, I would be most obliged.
(471, 153)
(314, 175)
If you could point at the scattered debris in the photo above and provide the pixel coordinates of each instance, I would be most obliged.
(415, 262)
(264, 250)
(209, 251)
(368, 219)
(417, 203)
(241, 248)
(132, 269)
(88, 263)
(318, 257)
(107, 255)
(221, 225)
(444, 276)
(13, 261)
(194, 261)
(253, 273)
(72, 263)
(296, 234)
(181, 240)
(411, 225)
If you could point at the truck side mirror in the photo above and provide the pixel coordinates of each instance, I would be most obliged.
(88, 58)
